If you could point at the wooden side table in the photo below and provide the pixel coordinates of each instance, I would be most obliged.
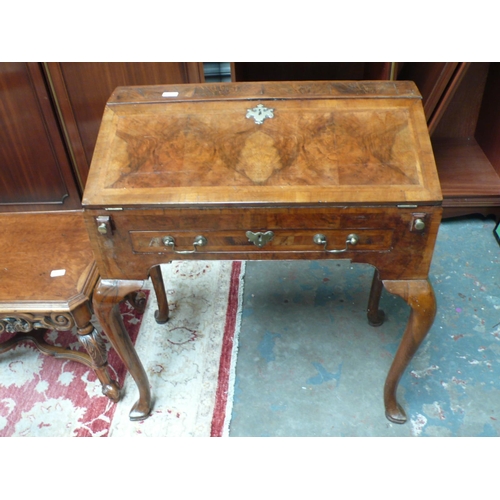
(48, 275)
(264, 171)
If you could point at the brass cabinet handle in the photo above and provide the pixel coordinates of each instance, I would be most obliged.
(320, 239)
(199, 241)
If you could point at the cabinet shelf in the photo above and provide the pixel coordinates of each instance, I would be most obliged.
(464, 169)
(465, 133)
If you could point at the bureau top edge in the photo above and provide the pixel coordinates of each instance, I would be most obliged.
(263, 206)
(349, 89)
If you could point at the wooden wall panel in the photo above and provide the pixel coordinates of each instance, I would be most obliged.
(431, 79)
(35, 172)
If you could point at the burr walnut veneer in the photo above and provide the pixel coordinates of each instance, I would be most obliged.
(259, 171)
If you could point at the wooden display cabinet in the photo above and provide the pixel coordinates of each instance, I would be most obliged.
(465, 134)
(463, 114)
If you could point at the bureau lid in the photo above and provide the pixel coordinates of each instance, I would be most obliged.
(272, 143)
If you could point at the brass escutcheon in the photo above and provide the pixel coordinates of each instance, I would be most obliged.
(260, 239)
(260, 113)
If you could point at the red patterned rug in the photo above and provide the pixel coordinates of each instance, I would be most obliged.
(189, 361)
(41, 395)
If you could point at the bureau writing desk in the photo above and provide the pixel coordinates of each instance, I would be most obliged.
(264, 171)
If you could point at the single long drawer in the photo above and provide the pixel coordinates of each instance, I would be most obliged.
(398, 241)
(281, 240)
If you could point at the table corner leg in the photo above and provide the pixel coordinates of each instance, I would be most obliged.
(419, 295)
(106, 298)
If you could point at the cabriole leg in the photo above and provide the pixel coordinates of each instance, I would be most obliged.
(420, 297)
(375, 315)
(161, 315)
(107, 297)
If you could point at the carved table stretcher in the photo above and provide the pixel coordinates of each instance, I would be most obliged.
(259, 171)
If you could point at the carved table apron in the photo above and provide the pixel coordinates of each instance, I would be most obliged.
(261, 171)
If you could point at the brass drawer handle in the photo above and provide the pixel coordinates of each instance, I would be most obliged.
(199, 241)
(320, 239)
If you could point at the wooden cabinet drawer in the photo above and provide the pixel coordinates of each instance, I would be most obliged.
(135, 240)
(280, 240)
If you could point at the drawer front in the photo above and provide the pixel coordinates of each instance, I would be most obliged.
(280, 240)
(398, 241)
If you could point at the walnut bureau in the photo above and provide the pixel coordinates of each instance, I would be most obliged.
(260, 171)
